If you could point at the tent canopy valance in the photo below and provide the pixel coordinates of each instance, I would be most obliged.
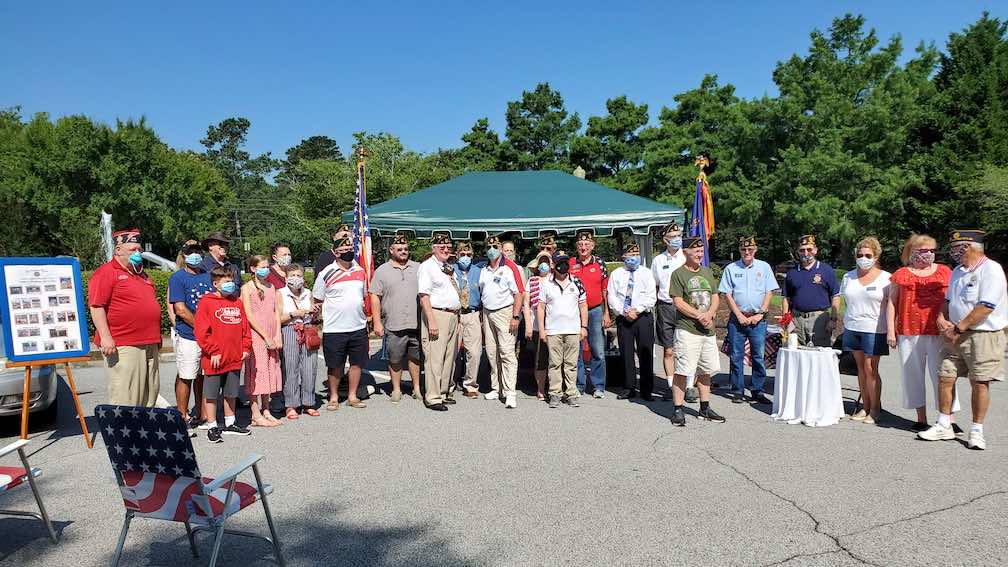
(529, 202)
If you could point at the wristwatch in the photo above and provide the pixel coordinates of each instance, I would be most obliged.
(516, 317)
(956, 330)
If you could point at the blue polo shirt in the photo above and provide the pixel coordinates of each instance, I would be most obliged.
(748, 285)
(811, 289)
(188, 288)
(472, 275)
(209, 264)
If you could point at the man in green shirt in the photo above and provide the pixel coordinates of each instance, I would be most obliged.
(693, 289)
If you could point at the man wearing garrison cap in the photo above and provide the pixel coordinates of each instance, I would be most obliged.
(591, 271)
(467, 274)
(127, 320)
(812, 295)
(747, 285)
(439, 303)
(328, 256)
(662, 267)
(975, 318)
(631, 295)
(502, 290)
(394, 298)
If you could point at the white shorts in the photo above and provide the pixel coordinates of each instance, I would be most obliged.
(187, 357)
(696, 354)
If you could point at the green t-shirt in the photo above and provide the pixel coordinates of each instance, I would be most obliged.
(697, 289)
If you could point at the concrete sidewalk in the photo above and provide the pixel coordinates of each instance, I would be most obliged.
(608, 483)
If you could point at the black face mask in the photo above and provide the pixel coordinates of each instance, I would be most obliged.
(563, 267)
(347, 256)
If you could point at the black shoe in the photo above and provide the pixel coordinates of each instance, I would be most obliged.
(438, 407)
(627, 395)
(956, 429)
(449, 401)
(647, 396)
(692, 395)
(761, 398)
(195, 422)
(918, 426)
(678, 418)
(711, 415)
(235, 429)
(214, 435)
(737, 398)
(666, 396)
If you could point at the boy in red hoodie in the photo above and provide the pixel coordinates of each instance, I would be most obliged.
(223, 334)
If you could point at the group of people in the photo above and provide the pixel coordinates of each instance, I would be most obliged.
(446, 313)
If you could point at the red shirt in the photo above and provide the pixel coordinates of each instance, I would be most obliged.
(279, 281)
(594, 276)
(222, 328)
(920, 300)
(130, 302)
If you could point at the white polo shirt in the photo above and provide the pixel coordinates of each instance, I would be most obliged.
(983, 284)
(561, 301)
(498, 286)
(432, 281)
(662, 267)
(342, 295)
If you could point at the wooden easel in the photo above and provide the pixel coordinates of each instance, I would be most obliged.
(70, 382)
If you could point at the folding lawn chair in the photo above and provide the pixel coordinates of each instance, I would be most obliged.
(12, 477)
(155, 466)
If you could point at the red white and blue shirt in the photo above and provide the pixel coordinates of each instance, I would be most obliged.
(341, 292)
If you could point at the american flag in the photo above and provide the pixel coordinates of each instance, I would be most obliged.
(362, 231)
(151, 450)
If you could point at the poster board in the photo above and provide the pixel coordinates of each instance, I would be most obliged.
(43, 309)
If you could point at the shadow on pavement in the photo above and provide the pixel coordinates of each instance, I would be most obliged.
(19, 533)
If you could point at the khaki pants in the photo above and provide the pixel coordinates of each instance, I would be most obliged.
(811, 328)
(500, 349)
(563, 356)
(133, 376)
(471, 333)
(439, 356)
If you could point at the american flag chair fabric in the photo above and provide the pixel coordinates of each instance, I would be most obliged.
(12, 477)
(156, 470)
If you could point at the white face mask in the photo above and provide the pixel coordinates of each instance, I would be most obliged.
(284, 260)
(865, 263)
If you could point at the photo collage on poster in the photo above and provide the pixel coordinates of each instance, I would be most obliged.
(44, 314)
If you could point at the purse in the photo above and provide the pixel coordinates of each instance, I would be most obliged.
(309, 333)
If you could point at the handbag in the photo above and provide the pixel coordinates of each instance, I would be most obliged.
(308, 334)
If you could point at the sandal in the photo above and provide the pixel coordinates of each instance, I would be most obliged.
(332, 405)
(540, 396)
(312, 412)
(292, 414)
(261, 422)
(356, 404)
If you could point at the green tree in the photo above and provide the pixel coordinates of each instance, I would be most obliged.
(482, 147)
(611, 144)
(539, 131)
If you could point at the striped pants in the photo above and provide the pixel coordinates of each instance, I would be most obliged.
(299, 370)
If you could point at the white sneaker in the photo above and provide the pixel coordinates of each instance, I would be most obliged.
(491, 395)
(599, 394)
(937, 432)
(511, 401)
(976, 441)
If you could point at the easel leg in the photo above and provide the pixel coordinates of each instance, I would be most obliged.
(80, 412)
(24, 402)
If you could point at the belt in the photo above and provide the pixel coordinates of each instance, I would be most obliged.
(809, 313)
(452, 311)
(498, 309)
(466, 311)
(666, 303)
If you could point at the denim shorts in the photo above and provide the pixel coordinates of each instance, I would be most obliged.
(872, 344)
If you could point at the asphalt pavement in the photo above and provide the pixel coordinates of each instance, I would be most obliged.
(608, 483)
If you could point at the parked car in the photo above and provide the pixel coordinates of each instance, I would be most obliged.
(41, 397)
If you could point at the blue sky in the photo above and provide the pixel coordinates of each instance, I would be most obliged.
(422, 71)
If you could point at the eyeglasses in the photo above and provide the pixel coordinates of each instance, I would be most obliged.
(465, 255)
(926, 250)
(865, 255)
(748, 249)
(806, 250)
(130, 239)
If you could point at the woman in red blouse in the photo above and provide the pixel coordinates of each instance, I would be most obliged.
(916, 299)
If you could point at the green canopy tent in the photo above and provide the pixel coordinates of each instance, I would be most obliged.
(529, 202)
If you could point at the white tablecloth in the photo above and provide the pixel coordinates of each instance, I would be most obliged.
(807, 387)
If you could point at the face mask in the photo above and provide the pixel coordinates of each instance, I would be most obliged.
(261, 273)
(194, 259)
(510, 256)
(865, 263)
(805, 258)
(295, 282)
(228, 288)
(464, 262)
(632, 263)
(493, 254)
(284, 260)
(674, 242)
(921, 259)
(563, 267)
(346, 256)
(544, 268)
(956, 254)
(136, 259)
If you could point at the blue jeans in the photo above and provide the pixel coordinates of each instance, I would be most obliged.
(737, 335)
(596, 341)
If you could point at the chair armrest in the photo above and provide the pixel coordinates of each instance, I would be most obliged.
(13, 447)
(232, 472)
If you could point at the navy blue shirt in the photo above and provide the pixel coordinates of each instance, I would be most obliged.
(811, 289)
(209, 263)
(187, 288)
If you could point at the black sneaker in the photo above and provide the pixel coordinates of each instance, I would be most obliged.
(678, 418)
(692, 395)
(571, 401)
(214, 435)
(737, 398)
(761, 398)
(711, 415)
(235, 429)
(667, 395)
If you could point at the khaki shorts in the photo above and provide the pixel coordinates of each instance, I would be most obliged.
(696, 354)
(977, 355)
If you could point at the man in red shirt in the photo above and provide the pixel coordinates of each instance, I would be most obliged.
(127, 318)
(592, 272)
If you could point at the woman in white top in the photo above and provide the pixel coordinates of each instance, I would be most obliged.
(299, 361)
(865, 291)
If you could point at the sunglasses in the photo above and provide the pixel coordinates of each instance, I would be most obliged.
(865, 255)
(465, 255)
(130, 239)
(926, 250)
